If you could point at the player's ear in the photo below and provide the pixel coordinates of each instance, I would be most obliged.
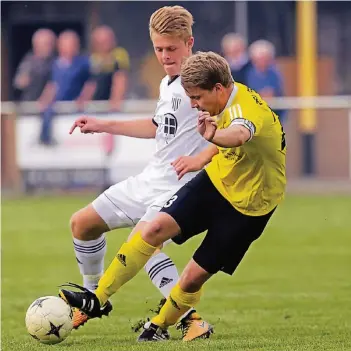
(218, 87)
(190, 43)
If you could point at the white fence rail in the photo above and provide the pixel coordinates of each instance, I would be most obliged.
(81, 157)
(144, 106)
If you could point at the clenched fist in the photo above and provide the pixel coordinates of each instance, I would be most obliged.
(206, 125)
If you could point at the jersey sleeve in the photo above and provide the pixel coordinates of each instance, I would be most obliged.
(122, 57)
(247, 118)
(154, 121)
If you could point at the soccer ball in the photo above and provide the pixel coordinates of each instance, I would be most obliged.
(49, 320)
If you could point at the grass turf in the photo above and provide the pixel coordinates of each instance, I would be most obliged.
(291, 292)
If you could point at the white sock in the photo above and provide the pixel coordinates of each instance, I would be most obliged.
(164, 275)
(90, 257)
(162, 272)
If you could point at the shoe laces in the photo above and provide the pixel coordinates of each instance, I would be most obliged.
(185, 323)
(183, 326)
(73, 285)
(88, 306)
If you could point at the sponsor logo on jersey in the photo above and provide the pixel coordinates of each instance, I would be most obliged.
(169, 126)
(176, 103)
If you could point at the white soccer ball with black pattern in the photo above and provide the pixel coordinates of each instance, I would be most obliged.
(49, 320)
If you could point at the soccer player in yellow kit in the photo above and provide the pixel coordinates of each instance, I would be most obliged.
(233, 198)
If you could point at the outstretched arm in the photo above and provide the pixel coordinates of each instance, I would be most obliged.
(137, 128)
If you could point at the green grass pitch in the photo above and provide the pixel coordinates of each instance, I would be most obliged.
(291, 292)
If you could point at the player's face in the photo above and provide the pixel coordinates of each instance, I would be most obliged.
(205, 100)
(170, 51)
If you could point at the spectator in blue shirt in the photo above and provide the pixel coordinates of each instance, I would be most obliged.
(70, 81)
(234, 48)
(264, 76)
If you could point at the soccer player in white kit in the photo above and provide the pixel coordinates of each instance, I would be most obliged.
(135, 201)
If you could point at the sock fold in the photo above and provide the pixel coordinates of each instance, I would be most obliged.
(178, 303)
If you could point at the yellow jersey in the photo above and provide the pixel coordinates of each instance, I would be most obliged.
(251, 177)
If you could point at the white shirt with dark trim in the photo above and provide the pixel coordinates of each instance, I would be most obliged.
(176, 136)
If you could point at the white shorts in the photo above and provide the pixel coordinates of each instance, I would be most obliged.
(128, 202)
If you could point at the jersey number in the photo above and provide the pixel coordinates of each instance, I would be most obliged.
(170, 201)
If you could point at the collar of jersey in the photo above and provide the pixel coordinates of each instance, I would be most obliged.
(172, 79)
(230, 100)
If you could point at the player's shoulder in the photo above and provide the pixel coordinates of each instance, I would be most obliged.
(243, 105)
(245, 96)
(164, 80)
(172, 85)
(163, 85)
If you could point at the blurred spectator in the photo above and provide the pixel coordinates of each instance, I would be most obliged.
(109, 67)
(234, 49)
(70, 80)
(264, 76)
(35, 68)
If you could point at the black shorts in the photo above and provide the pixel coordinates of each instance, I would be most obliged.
(198, 206)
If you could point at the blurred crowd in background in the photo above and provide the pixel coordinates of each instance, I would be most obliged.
(92, 51)
(84, 52)
(56, 69)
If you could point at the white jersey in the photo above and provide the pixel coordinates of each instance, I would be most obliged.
(141, 197)
(176, 136)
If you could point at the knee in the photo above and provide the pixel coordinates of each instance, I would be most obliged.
(153, 228)
(152, 233)
(87, 225)
(76, 226)
(80, 229)
(162, 228)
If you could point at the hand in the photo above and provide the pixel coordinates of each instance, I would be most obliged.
(186, 164)
(206, 125)
(87, 125)
(23, 81)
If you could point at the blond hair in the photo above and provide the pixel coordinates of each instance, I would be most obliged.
(204, 70)
(172, 20)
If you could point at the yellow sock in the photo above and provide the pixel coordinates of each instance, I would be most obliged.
(176, 305)
(130, 259)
